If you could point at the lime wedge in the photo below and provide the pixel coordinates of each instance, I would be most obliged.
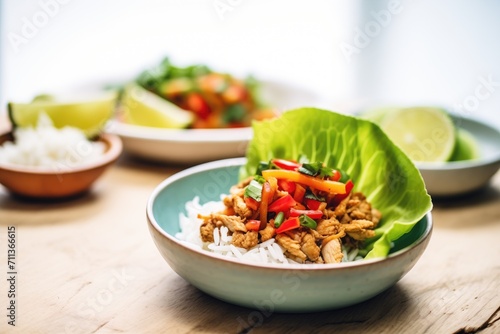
(466, 147)
(425, 134)
(90, 114)
(142, 107)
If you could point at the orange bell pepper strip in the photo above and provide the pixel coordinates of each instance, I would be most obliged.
(299, 193)
(329, 186)
(267, 197)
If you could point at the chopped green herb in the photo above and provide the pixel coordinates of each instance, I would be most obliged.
(263, 165)
(307, 221)
(254, 190)
(309, 169)
(315, 169)
(279, 219)
(310, 195)
(259, 178)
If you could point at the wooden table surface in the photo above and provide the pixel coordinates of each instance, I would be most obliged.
(89, 265)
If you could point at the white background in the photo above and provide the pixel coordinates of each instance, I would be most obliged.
(412, 52)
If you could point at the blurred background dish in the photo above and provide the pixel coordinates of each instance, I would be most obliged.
(191, 146)
(454, 154)
(464, 176)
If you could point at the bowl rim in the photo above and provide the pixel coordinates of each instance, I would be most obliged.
(115, 147)
(196, 250)
(180, 135)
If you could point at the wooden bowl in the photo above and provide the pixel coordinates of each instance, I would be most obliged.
(50, 183)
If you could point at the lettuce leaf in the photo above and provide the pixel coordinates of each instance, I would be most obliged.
(378, 168)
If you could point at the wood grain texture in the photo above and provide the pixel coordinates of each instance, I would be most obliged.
(88, 265)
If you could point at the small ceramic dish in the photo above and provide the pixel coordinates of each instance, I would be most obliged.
(285, 288)
(51, 184)
(462, 177)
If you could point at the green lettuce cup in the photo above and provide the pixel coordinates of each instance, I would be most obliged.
(378, 168)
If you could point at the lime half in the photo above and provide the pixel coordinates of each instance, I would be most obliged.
(466, 147)
(425, 134)
(142, 107)
(89, 114)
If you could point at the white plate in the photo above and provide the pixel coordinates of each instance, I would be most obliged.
(193, 146)
(461, 177)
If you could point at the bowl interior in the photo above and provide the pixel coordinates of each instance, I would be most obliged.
(209, 181)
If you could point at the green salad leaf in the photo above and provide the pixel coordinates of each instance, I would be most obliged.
(378, 168)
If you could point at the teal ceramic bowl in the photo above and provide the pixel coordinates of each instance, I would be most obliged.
(280, 288)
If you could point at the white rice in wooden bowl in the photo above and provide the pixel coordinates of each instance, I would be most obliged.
(49, 148)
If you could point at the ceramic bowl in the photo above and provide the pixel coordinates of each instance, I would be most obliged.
(462, 177)
(50, 184)
(282, 288)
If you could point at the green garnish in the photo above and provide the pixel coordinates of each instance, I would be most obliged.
(279, 219)
(315, 169)
(310, 195)
(254, 190)
(307, 221)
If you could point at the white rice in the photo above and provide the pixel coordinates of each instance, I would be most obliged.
(47, 147)
(268, 251)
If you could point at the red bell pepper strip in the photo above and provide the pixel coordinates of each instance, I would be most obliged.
(340, 197)
(329, 186)
(283, 203)
(252, 225)
(287, 186)
(285, 164)
(312, 204)
(251, 203)
(314, 214)
(289, 224)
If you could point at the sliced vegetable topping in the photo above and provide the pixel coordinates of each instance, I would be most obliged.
(286, 164)
(332, 187)
(254, 190)
(282, 204)
(267, 197)
(252, 225)
(289, 224)
(279, 219)
(287, 186)
(307, 221)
